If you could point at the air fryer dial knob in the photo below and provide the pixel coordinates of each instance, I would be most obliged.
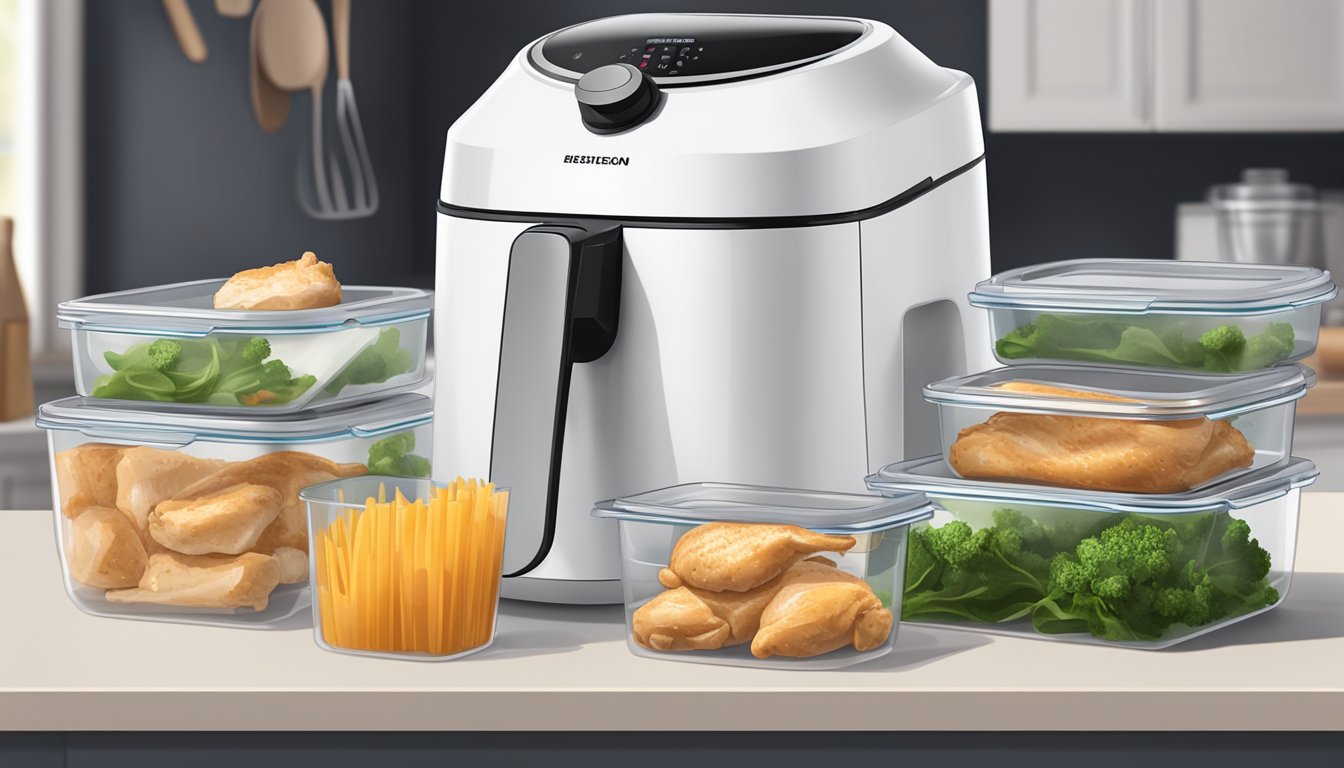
(615, 97)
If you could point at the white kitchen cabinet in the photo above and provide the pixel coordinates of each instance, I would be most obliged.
(1249, 65)
(1069, 65)
(1166, 65)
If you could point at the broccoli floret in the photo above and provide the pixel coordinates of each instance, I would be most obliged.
(1223, 348)
(256, 350)
(392, 456)
(1266, 349)
(164, 354)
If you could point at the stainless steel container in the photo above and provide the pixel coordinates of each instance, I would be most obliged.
(1267, 219)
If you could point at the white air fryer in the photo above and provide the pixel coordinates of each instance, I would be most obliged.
(686, 247)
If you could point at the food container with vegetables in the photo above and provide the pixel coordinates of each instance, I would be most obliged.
(405, 568)
(755, 576)
(1108, 429)
(169, 345)
(197, 518)
(1097, 567)
(1185, 315)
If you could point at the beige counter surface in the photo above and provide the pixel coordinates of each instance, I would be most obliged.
(558, 668)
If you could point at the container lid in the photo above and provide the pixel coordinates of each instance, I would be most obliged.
(187, 310)
(1147, 395)
(931, 475)
(178, 427)
(1155, 285)
(825, 512)
(1264, 187)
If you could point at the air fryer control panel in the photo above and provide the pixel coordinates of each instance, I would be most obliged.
(687, 49)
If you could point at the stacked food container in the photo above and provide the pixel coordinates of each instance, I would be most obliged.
(1128, 477)
(177, 469)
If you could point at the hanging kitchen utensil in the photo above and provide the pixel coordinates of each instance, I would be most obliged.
(270, 104)
(295, 56)
(363, 184)
(233, 9)
(16, 373)
(185, 29)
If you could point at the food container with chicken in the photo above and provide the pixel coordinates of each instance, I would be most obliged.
(1183, 315)
(1095, 566)
(1108, 429)
(762, 577)
(172, 345)
(182, 517)
(405, 568)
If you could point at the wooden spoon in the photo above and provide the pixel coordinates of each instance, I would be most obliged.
(185, 29)
(269, 103)
(295, 56)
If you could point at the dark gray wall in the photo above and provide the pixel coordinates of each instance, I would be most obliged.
(182, 184)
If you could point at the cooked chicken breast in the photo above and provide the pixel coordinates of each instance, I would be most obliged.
(819, 609)
(303, 284)
(146, 476)
(287, 472)
(228, 522)
(205, 581)
(736, 557)
(105, 549)
(86, 476)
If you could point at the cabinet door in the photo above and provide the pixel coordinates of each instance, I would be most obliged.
(1249, 65)
(1069, 65)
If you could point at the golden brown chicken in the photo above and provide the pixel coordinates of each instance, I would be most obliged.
(287, 472)
(87, 477)
(204, 581)
(736, 557)
(105, 549)
(819, 609)
(228, 522)
(1106, 454)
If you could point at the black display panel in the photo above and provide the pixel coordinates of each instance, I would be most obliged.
(693, 48)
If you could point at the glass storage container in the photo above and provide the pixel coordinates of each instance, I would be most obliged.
(167, 344)
(434, 601)
(1079, 437)
(1188, 315)
(179, 517)
(651, 525)
(1093, 567)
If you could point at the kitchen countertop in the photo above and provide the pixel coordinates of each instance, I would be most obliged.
(567, 668)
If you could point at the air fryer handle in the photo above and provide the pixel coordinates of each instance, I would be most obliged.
(561, 307)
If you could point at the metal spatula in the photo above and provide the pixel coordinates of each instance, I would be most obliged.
(338, 201)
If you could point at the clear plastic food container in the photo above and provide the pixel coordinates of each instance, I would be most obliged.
(1205, 316)
(806, 581)
(168, 345)
(405, 568)
(177, 517)
(1091, 567)
(1101, 428)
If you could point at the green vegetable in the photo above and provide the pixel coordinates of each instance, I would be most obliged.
(218, 371)
(1146, 341)
(257, 349)
(1119, 577)
(392, 456)
(374, 364)
(164, 354)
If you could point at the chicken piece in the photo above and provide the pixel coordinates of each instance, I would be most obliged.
(678, 620)
(1096, 453)
(147, 476)
(819, 610)
(287, 472)
(105, 549)
(86, 476)
(736, 557)
(293, 565)
(205, 581)
(303, 284)
(228, 522)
